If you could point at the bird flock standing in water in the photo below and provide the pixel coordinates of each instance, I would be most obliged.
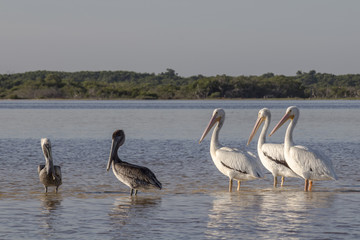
(281, 160)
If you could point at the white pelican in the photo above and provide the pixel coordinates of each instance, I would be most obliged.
(49, 174)
(307, 163)
(231, 162)
(270, 154)
(134, 176)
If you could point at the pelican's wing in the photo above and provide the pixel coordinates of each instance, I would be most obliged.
(302, 147)
(139, 174)
(57, 171)
(238, 161)
(227, 149)
(251, 154)
(274, 152)
(312, 161)
(40, 167)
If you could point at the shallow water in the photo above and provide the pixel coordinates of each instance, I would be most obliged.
(194, 202)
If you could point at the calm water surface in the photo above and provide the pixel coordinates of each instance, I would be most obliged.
(163, 135)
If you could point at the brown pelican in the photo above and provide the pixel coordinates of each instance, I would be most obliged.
(49, 174)
(134, 176)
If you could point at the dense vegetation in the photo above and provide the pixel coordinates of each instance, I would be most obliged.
(168, 85)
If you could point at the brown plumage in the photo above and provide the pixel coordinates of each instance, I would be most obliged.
(134, 176)
(49, 174)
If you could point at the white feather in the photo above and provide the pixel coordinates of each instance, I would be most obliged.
(232, 162)
(311, 164)
(307, 163)
(271, 155)
(236, 164)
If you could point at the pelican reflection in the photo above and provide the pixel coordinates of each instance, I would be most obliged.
(50, 204)
(230, 215)
(126, 210)
(289, 213)
(50, 201)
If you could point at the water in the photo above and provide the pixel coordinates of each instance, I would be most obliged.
(163, 135)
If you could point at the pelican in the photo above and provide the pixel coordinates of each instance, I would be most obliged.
(270, 154)
(49, 174)
(231, 162)
(306, 163)
(134, 176)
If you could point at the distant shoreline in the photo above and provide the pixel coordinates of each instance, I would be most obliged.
(126, 85)
(215, 99)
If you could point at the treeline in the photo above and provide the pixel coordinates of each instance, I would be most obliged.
(168, 85)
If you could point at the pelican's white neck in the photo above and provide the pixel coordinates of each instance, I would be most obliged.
(288, 141)
(214, 143)
(262, 136)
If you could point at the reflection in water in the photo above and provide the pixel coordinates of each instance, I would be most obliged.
(269, 214)
(290, 213)
(231, 215)
(129, 210)
(50, 203)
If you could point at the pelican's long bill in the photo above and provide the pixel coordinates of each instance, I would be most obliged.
(213, 120)
(112, 153)
(258, 123)
(286, 117)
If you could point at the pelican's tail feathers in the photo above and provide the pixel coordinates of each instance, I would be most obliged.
(157, 183)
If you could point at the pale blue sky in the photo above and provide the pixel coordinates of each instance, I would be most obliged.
(190, 36)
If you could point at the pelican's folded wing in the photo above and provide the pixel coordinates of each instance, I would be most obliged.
(40, 167)
(239, 161)
(140, 174)
(274, 152)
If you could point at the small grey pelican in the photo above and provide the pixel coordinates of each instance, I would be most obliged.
(231, 162)
(134, 176)
(307, 163)
(271, 155)
(49, 174)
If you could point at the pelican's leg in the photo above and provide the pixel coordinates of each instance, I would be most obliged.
(306, 184)
(46, 189)
(136, 192)
(56, 189)
(131, 191)
(310, 185)
(282, 180)
(275, 181)
(238, 188)
(230, 185)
